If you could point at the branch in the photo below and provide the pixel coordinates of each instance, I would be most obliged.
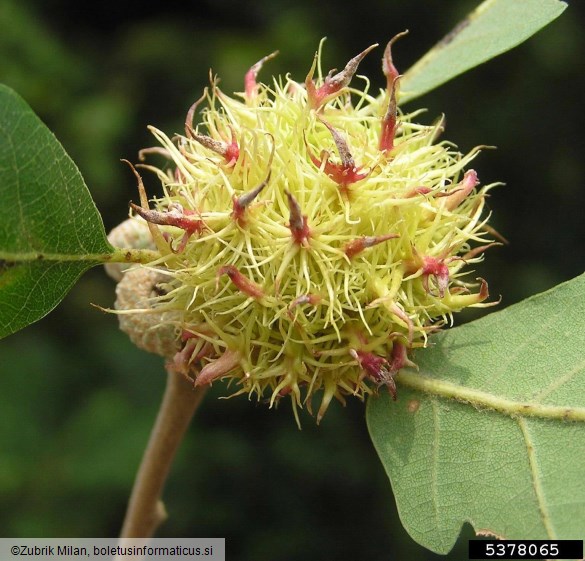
(145, 509)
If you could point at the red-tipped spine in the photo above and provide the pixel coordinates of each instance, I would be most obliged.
(463, 189)
(357, 246)
(388, 63)
(250, 85)
(297, 222)
(389, 121)
(218, 368)
(436, 268)
(376, 369)
(229, 150)
(333, 83)
(345, 173)
(242, 202)
(244, 284)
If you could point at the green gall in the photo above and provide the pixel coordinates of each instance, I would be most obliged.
(311, 236)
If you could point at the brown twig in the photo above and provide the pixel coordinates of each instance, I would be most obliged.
(145, 509)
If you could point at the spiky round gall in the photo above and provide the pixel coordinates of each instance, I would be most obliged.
(312, 236)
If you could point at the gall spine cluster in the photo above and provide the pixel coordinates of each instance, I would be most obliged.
(310, 236)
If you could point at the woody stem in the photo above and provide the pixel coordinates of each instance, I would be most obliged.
(146, 510)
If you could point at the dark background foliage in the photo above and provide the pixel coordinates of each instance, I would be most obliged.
(77, 400)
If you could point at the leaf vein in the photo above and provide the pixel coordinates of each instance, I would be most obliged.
(435, 464)
(537, 335)
(485, 400)
(559, 382)
(537, 480)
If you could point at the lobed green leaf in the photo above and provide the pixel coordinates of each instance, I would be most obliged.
(491, 431)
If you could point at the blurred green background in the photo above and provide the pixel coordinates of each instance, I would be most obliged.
(77, 400)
